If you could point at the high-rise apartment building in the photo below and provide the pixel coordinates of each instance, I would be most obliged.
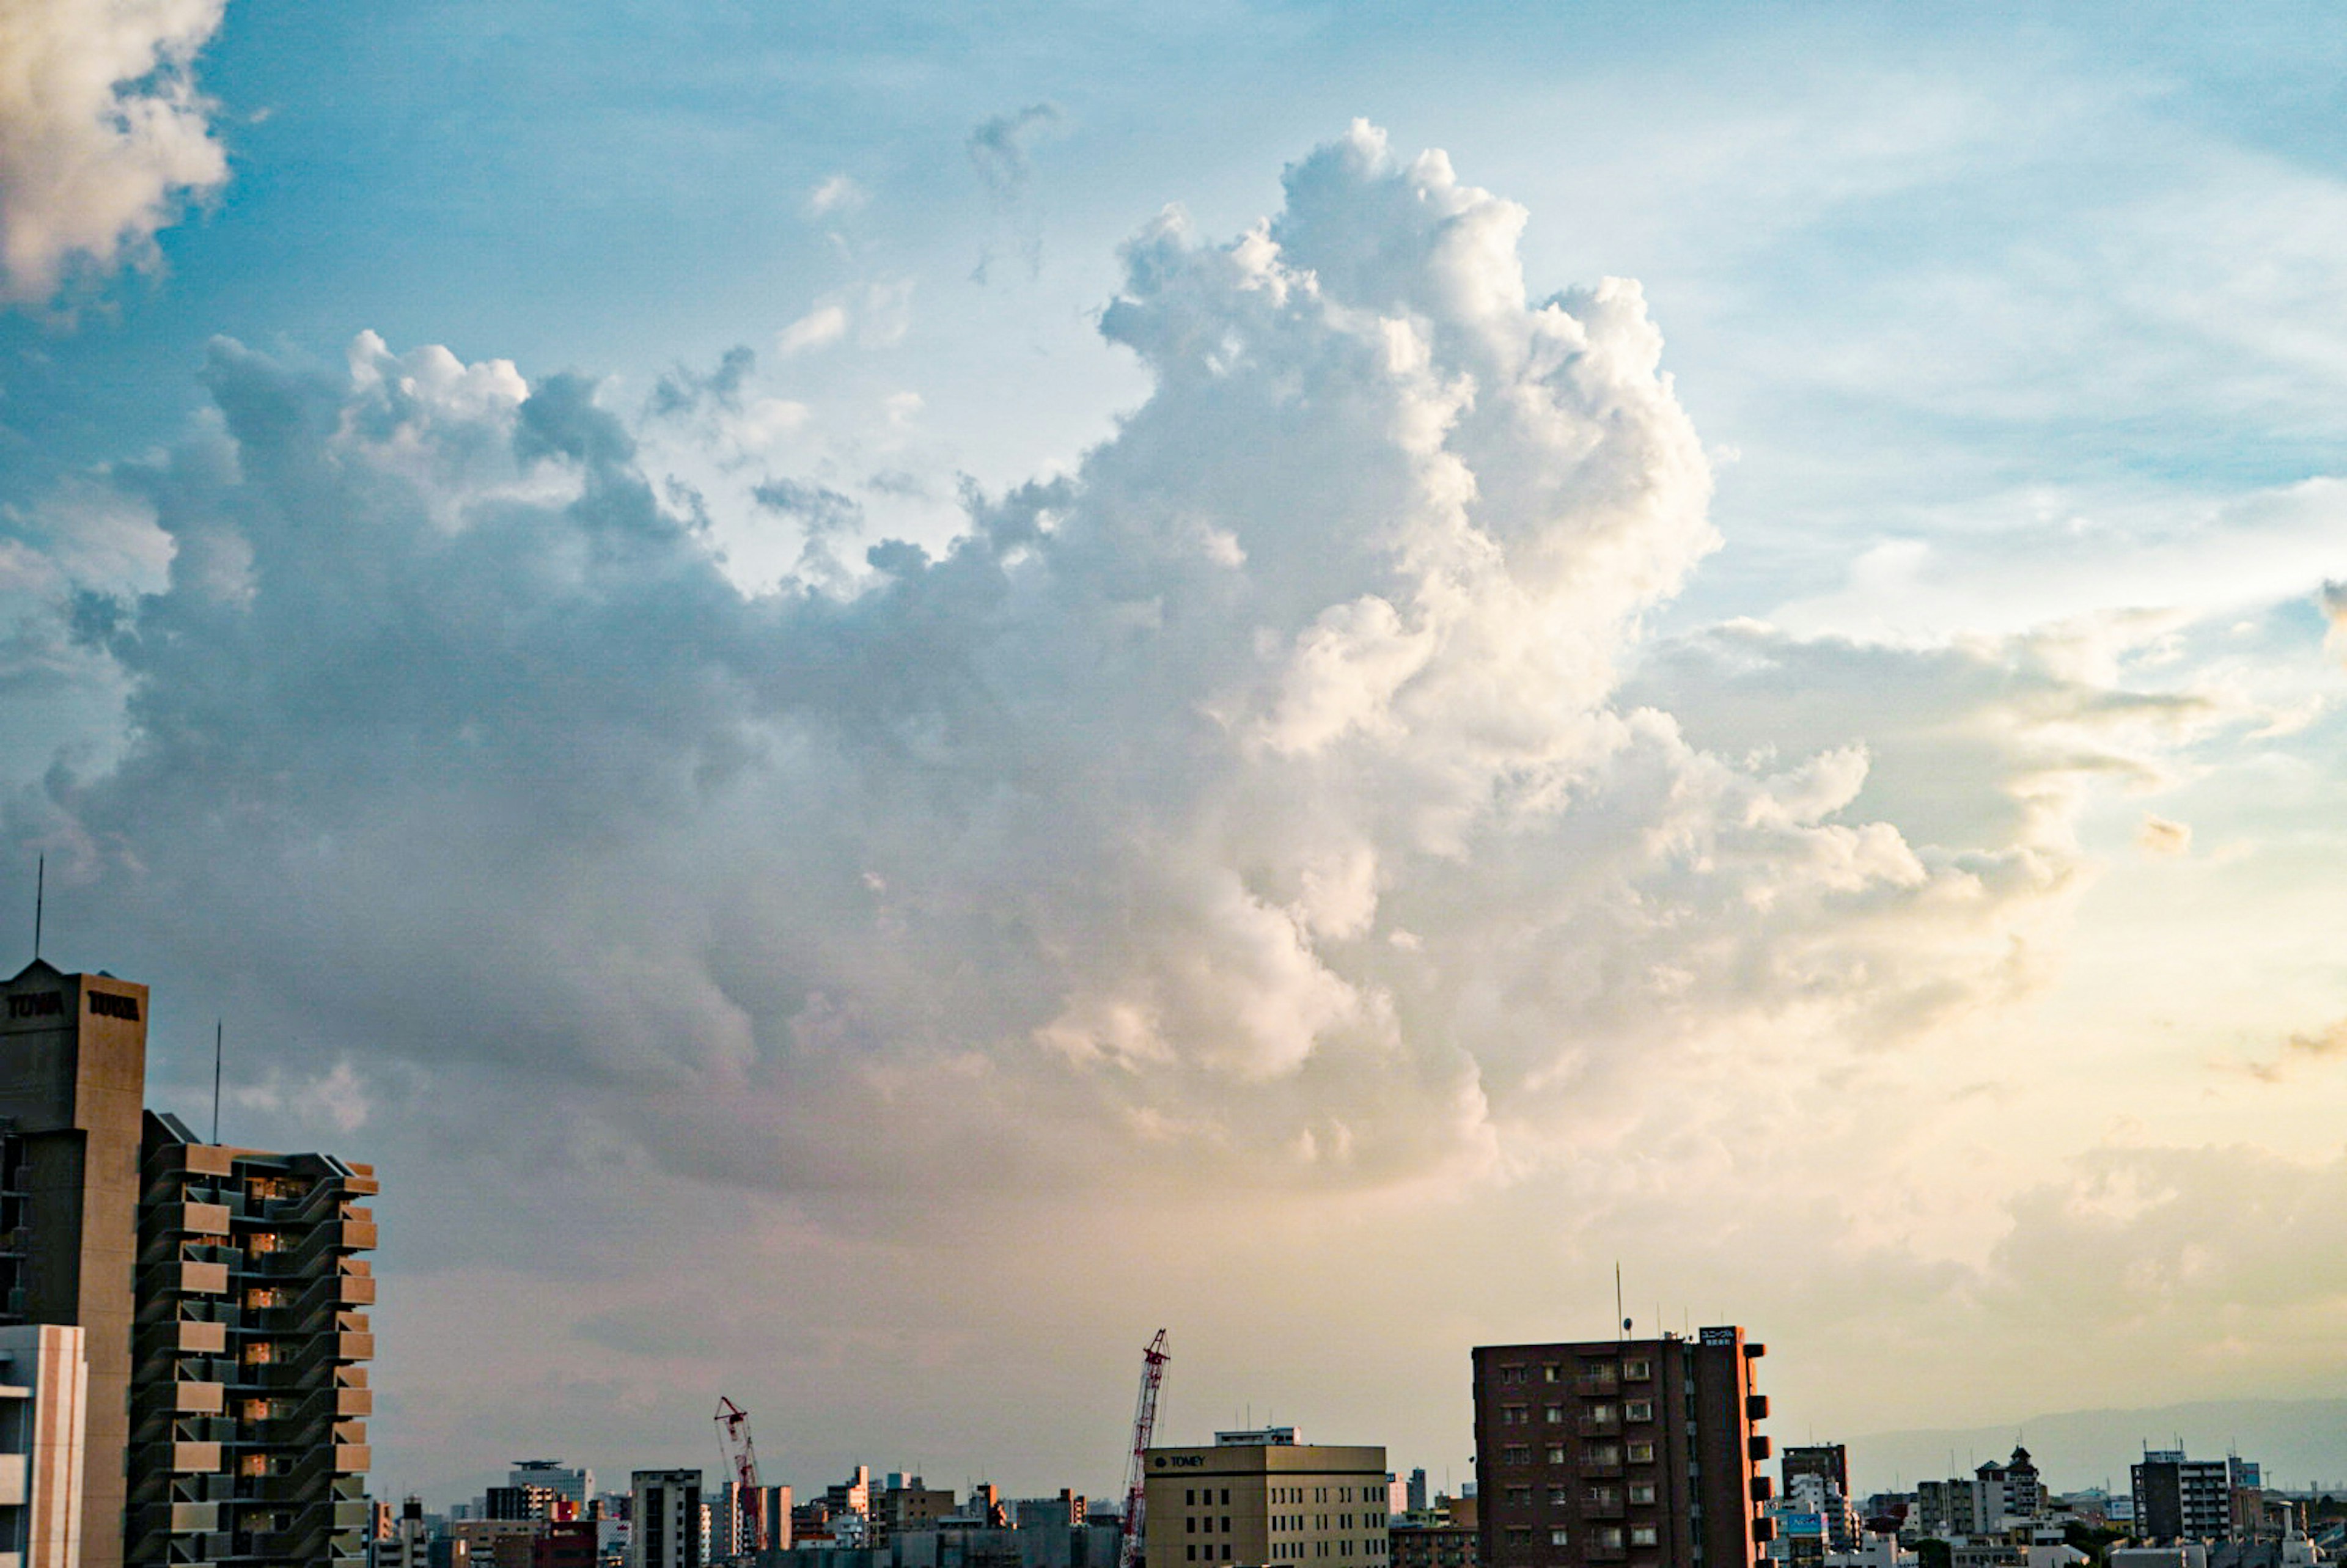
(73, 1075)
(1632, 1453)
(2180, 1498)
(667, 1522)
(1261, 1497)
(44, 1382)
(250, 1398)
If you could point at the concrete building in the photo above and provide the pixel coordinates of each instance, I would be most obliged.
(409, 1543)
(1261, 1498)
(1413, 1544)
(1637, 1452)
(1828, 1461)
(43, 1384)
(73, 1077)
(2179, 1499)
(573, 1483)
(667, 1522)
(249, 1399)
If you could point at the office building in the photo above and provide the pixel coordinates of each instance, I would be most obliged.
(667, 1524)
(44, 1382)
(1829, 1461)
(1260, 1497)
(73, 1075)
(573, 1483)
(1638, 1452)
(249, 1399)
(2177, 1499)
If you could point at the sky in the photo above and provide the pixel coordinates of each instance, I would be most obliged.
(886, 694)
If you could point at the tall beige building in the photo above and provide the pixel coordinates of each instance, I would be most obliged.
(73, 1073)
(1263, 1499)
(249, 1403)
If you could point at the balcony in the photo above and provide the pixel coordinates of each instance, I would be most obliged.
(200, 1338)
(1594, 1424)
(1601, 1502)
(186, 1458)
(197, 1278)
(198, 1399)
(1595, 1382)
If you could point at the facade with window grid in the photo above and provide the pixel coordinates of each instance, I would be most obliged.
(1635, 1453)
(1262, 1500)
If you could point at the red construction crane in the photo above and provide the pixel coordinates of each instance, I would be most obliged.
(1144, 1424)
(741, 1456)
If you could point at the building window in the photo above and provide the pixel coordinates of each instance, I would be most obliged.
(1600, 1411)
(1190, 1526)
(1548, 1373)
(1560, 1497)
(1602, 1453)
(1639, 1410)
(1512, 1374)
(1556, 1453)
(1642, 1453)
(1642, 1492)
(1560, 1537)
(1516, 1454)
(1638, 1371)
(1520, 1497)
(1190, 1498)
(1227, 1550)
(1193, 1549)
(1555, 1414)
(1642, 1535)
(1610, 1536)
(1514, 1416)
(1226, 1500)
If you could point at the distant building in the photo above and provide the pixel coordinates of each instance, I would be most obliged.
(44, 1382)
(1416, 1499)
(1261, 1498)
(668, 1525)
(1829, 1461)
(1430, 1545)
(2179, 1499)
(575, 1483)
(1620, 1452)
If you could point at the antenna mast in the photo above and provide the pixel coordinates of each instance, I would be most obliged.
(216, 1075)
(40, 901)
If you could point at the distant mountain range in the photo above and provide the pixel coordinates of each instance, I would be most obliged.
(2299, 1442)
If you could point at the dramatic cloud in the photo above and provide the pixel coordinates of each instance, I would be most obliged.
(103, 135)
(1249, 807)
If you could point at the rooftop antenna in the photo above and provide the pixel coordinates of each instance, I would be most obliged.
(1617, 1299)
(40, 901)
(216, 1077)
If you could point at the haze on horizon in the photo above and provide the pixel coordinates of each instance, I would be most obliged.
(886, 696)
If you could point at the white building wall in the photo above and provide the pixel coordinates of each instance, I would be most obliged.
(43, 1391)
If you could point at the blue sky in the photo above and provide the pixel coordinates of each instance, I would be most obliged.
(1875, 830)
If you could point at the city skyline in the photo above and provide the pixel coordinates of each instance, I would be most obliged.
(884, 696)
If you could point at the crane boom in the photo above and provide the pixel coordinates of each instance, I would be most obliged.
(1145, 1425)
(741, 1458)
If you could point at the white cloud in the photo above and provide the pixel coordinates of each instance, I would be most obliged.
(1260, 806)
(836, 193)
(103, 135)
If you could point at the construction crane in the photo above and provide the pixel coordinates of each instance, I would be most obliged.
(742, 1459)
(1144, 1424)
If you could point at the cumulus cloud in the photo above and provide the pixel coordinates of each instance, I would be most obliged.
(1255, 804)
(104, 138)
(2159, 835)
